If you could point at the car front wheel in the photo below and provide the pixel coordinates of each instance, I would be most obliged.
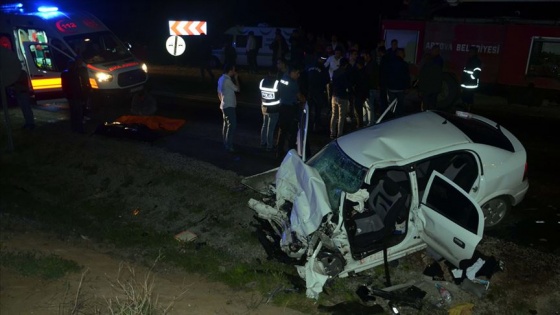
(494, 212)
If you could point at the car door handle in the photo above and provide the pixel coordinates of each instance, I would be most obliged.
(459, 242)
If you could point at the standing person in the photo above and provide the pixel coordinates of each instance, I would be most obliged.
(252, 50)
(384, 60)
(297, 48)
(394, 47)
(281, 68)
(352, 55)
(361, 91)
(332, 63)
(290, 108)
(230, 54)
(336, 44)
(341, 85)
(279, 46)
(317, 80)
(398, 81)
(270, 107)
(21, 90)
(470, 78)
(228, 84)
(76, 87)
(270, 104)
(372, 72)
(430, 79)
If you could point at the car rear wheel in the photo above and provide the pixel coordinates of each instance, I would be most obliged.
(494, 212)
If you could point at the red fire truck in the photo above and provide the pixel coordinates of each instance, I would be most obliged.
(520, 58)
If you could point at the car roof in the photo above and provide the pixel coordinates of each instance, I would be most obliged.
(401, 139)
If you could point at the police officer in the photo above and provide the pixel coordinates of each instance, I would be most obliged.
(270, 106)
(470, 77)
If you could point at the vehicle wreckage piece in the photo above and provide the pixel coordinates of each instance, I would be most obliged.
(382, 193)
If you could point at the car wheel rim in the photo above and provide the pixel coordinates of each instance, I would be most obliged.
(494, 211)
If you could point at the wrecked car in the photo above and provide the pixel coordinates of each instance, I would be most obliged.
(432, 178)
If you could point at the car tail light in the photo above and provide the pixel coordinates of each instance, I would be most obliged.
(526, 172)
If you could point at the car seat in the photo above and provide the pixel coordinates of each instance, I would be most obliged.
(387, 200)
(462, 171)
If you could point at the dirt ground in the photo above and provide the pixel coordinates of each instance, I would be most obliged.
(184, 293)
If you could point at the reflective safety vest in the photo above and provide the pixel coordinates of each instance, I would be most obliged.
(471, 73)
(269, 92)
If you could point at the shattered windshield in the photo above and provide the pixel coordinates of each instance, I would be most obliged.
(338, 171)
(98, 47)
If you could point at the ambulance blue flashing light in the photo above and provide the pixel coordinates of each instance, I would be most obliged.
(12, 7)
(44, 9)
(18, 7)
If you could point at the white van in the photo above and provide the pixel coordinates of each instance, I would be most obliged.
(46, 39)
(264, 35)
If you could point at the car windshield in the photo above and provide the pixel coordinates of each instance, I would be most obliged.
(98, 47)
(338, 171)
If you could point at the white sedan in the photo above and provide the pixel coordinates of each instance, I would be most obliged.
(380, 193)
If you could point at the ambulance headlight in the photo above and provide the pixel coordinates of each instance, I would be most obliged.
(103, 77)
(145, 67)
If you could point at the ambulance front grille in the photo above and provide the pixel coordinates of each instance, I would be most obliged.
(133, 77)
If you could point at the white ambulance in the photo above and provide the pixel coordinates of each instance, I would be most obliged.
(46, 39)
(238, 35)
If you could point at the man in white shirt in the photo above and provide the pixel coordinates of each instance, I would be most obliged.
(332, 63)
(228, 84)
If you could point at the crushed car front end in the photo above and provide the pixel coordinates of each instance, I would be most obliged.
(302, 206)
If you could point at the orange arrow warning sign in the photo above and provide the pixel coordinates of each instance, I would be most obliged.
(187, 28)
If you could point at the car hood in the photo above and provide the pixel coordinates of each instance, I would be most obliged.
(400, 139)
(302, 185)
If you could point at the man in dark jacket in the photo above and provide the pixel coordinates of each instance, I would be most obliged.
(317, 79)
(76, 87)
(430, 79)
(361, 91)
(398, 81)
(340, 101)
(291, 100)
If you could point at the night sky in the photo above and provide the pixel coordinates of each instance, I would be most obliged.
(350, 19)
(358, 20)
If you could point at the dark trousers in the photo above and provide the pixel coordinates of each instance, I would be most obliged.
(467, 96)
(252, 60)
(287, 129)
(359, 101)
(399, 95)
(77, 114)
(429, 101)
(383, 103)
(317, 102)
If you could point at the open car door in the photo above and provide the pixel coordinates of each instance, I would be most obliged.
(452, 222)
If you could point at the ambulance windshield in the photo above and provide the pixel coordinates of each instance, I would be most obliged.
(98, 47)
